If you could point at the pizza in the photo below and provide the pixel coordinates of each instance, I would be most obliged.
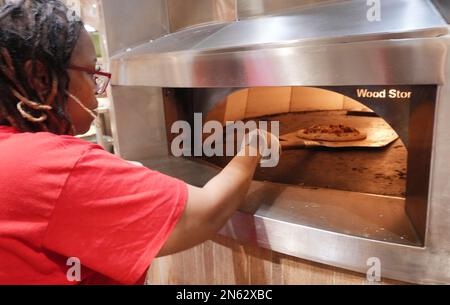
(331, 133)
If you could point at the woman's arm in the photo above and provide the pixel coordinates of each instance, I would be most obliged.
(208, 208)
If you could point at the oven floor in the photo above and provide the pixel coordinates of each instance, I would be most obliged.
(367, 170)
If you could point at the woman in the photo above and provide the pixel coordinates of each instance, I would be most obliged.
(63, 200)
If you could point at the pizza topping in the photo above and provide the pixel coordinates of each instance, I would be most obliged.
(335, 129)
(332, 133)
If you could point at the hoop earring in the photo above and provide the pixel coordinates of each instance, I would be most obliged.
(28, 116)
(33, 105)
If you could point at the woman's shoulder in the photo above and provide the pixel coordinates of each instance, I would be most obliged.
(38, 164)
(61, 142)
(45, 145)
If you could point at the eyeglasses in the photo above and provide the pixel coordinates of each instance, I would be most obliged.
(101, 78)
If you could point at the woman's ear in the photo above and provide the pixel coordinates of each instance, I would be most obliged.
(39, 79)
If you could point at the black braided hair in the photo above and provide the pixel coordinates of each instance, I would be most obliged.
(42, 31)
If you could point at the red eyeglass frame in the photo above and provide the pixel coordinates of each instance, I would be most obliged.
(93, 72)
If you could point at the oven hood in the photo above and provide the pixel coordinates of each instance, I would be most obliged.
(325, 44)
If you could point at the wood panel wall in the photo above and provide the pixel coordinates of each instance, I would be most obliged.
(224, 261)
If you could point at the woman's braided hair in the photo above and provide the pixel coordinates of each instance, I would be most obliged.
(45, 32)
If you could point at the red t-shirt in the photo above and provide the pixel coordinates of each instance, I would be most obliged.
(62, 197)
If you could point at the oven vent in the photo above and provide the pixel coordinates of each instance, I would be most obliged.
(285, 49)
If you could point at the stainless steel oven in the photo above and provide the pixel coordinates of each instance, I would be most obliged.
(310, 62)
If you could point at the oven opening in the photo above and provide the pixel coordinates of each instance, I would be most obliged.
(365, 188)
(379, 168)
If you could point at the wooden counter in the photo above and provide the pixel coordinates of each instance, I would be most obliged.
(224, 261)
